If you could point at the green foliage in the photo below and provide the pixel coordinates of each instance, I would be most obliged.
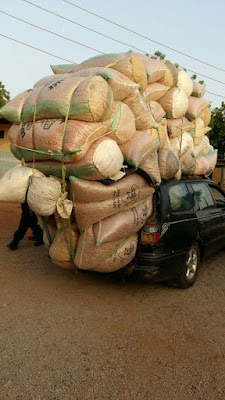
(217, 134)
(158, 55)
(4, 95)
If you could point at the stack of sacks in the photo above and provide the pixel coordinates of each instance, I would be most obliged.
(96, 123)
(109, 220)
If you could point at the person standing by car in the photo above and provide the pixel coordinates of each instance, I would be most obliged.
(28, 220)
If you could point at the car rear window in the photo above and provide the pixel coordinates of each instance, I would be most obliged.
(180, 199)
(203, 196)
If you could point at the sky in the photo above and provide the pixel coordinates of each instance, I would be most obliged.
(196, 28)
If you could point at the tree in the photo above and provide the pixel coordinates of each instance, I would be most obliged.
(217, 134)
(158, 55)
(4, 95)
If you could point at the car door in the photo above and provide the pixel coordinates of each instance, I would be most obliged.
(180, 222)
(208, 216)
(219, 198)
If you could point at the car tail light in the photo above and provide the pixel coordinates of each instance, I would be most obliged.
(150, 234)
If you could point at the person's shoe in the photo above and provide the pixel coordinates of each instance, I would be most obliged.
(12, 245)
(38, 243)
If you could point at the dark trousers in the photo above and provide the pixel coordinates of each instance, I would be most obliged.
(28, 220)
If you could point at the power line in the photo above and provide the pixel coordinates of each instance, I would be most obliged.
(85, 27)
(214, 94)
(53, 33)
(36, 48)
(109, 37)
(143, 36)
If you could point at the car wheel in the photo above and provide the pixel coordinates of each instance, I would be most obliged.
(189, 271)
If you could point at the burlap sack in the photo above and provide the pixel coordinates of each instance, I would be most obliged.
(176, 127)
(199, 131)
(206, 116)
(151, 167)
(198, 89)
(168, 163)
(104, 159)
(132, 67)
(88, 99)
(170, 78)
(122, 124)
(108, 257)
(123, 224)
(203, 147)
(182, 144)
(49, 227)
(12, 111)
(51, 80)
(160, 134)
(138, 148)
(196, 107)
(187, 162)
(103, 60)
(155, 69)
(154, 92)
(174, 103)
(14, 184)
(185, 82)
(121, 86)
(63, 248)
(53, 140)
(106, 200)
(42, 195)
(144, 118)
(63, 68)
(156, 111)
(206, 164)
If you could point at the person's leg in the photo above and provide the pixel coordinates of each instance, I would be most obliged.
(38, 234)
(19, 234)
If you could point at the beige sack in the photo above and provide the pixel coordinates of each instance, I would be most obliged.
(144, 118)
(200, 131)
(198, 89)
(185, 82)
(161, 134)
(132, 67)
(14, 184)
(168, 163)
(12, 111)
(103, 160)
(51, 80)
(196, 107)
(174, 102)
(203, 147)
(178, 126)
(103, 60)
(206, 164)
(53, 141)
(63, 68)
(138, 148)
(187, 162)
(206, 116)
(122, 124)
(123, 224)
(170, 78)
(156, 111)
(155, 69)
(108, 257)
(63, 247)
(154, 92)
(106, 200)
(121, 86)
(43, 194)
(89, 99)
(182, 144)
(151, 167)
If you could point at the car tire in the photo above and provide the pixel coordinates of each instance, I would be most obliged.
(189, 271)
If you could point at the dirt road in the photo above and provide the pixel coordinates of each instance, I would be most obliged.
(68, 337)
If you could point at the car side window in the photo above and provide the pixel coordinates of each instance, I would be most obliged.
(203, 196)
(180, 199)
(218, 196)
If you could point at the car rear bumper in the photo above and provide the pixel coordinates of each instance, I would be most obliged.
(159, 267)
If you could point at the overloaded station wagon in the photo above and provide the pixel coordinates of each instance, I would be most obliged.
(188, 224)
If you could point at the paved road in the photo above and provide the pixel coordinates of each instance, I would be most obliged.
(68, 337)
